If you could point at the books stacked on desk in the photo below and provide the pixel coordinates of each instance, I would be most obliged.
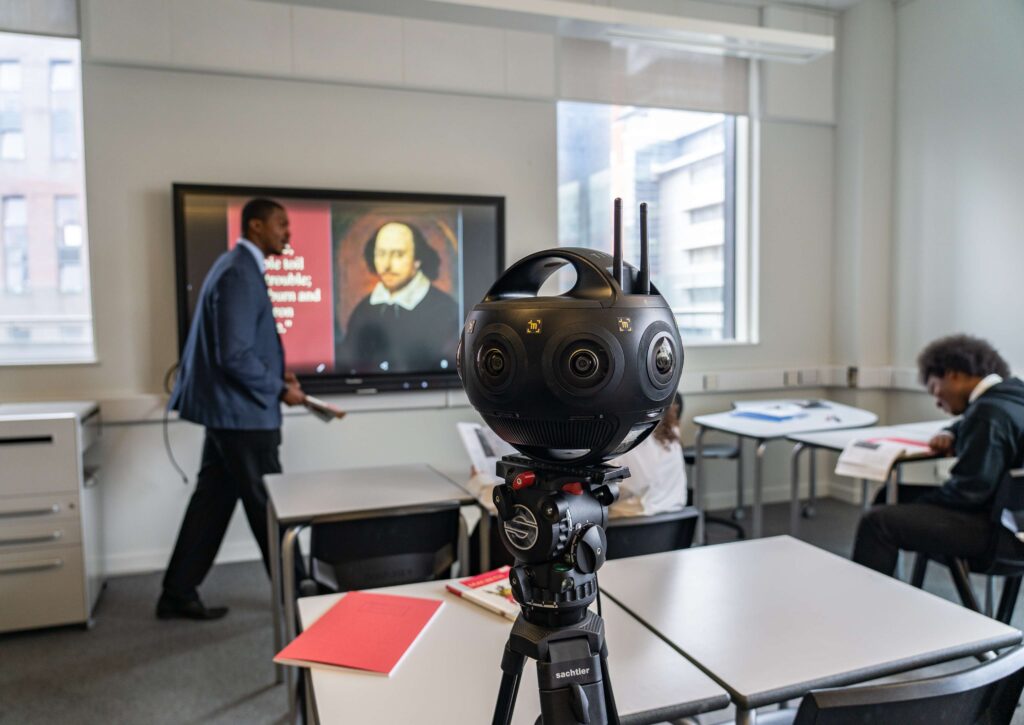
(362, 631)
(490, 590)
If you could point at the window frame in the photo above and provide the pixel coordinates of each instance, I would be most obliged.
(739, 279)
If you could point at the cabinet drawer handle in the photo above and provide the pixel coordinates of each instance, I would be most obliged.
(53, 536)
(30, 512)
(25, 440)
(32, 566)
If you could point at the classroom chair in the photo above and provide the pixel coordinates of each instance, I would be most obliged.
(986, 694)
(639, 535)
(384, 551)
(1005, 558)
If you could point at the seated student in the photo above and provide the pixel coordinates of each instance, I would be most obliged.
(657, 482)
(967, 377)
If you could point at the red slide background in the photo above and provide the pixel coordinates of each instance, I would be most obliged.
(300, 283)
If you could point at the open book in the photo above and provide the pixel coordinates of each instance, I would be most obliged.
(873, 458)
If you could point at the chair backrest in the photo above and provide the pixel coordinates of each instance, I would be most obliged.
(983, 695)
(638, 535)
(1005, 555)
(386, 550)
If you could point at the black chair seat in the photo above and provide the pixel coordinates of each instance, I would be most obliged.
(983, 695)
(717, 451)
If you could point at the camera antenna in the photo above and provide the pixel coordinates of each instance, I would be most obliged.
(644, 282)
(617, 245)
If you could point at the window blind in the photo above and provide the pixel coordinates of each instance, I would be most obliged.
(40, 17)
(635, 74)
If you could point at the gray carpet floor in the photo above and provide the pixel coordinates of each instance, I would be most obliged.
(132, 668)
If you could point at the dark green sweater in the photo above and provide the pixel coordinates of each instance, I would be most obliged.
(989, 441)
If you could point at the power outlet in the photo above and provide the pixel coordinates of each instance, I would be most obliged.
(711, 382)
(791, 377)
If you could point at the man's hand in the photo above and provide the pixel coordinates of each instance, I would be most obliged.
(292, 394)
(942, 443)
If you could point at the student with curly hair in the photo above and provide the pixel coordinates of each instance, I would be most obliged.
(968, 378)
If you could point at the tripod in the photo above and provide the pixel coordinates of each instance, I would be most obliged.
(553, 520)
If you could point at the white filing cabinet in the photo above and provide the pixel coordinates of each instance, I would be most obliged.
(50, 528)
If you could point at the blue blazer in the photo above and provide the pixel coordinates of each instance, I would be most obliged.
(231, 373)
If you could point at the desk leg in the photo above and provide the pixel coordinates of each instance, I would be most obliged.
(794, 489)
(485, 539)
(865, 492)
(746, 717)
(698, 484)
(288, 543)
(891, 490)
(463, 544)
(274, 552)
(737, 512)
(758, 523)
(812, 470)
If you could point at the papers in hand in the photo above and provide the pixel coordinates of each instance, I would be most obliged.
(483, 446)
(874, 458)
(322, 409)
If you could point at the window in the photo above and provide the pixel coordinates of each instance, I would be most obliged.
(64, 110)
(15, 244)
(10, 75)
(70, 275)
(45, 303)
(684, 165)
(62, 75)
(12, 138)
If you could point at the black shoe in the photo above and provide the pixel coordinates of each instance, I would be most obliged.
(168, 608)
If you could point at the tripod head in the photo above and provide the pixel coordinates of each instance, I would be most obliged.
(553, 520)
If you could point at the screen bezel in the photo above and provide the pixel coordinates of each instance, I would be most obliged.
(333, 382)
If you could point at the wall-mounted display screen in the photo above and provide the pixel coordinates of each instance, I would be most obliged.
(373, 288)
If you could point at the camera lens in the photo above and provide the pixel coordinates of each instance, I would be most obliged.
(494, 362)
(583, 363)
(663, 358)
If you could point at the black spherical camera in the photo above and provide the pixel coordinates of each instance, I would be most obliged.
(577, 378)
(570, 381)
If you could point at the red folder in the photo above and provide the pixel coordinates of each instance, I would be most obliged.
(363, 631)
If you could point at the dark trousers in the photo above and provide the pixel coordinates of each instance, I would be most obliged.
(233, 465)
(920, 526)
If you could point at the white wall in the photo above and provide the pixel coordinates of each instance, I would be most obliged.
(960, 174)
(147, 127)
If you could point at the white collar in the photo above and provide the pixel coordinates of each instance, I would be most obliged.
(407, 298)
(986, 382)
(255, 252)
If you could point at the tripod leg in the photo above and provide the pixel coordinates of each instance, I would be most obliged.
(511, 673)
(609, 696)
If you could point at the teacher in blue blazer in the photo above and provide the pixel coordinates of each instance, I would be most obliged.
(231, 380)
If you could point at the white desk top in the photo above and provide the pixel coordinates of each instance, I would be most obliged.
(774, 618)
(837, 440)
(304, 496)
(80, 409)
(829, 416)
(453, 671)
